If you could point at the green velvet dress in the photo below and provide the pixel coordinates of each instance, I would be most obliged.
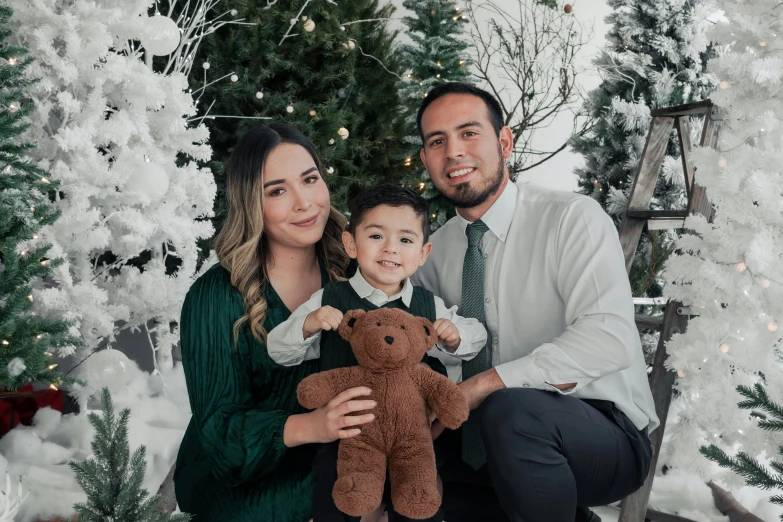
(232, 464)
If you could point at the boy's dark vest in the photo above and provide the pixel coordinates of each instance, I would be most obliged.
(336, 352)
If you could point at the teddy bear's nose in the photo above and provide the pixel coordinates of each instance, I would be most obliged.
(389, 339)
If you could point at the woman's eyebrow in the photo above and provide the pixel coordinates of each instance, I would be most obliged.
(279, 181)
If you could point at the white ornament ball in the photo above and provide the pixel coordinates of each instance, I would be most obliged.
(145, 178)
(343, 133)
(292, 21)
(234, 12)
(289, 109)
(304, 17)
(350, 44)
(107, 368)
(309, 26)
(259, 95)
(234, 78)
(330, 170)
(331, 141)
(205, 65)
(342, 28)
(162, 35)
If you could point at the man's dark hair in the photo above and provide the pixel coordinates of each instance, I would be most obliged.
(393, 195)
(493, 106)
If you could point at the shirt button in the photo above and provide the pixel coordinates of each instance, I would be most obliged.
(486, 256)
(486, 299)
(526, 385)
(495, 341)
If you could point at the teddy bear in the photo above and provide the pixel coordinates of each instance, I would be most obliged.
(389, 344)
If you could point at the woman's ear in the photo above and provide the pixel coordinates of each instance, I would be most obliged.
(349, 244)
(347, 324)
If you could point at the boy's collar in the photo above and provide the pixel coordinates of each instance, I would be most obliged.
(365, 289)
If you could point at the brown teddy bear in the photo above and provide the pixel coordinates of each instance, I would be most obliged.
(388, 344)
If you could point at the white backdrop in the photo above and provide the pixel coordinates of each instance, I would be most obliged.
(558, 172)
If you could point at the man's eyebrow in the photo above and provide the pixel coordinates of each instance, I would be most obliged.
(280, 181)
(459, 127)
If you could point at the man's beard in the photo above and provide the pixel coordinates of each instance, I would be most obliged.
(466, 197)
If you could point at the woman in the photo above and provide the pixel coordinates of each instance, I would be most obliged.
(246, 455)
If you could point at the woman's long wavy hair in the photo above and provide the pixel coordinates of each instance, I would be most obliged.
(241, 244)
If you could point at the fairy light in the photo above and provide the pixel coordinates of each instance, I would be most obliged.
(53, 366)
(724, 348)
(421, 185)
(30, 297)
(12, 61)
(741, 267)
(773, 326)
(52, 386)
(680, 373)
(722, 162)
(724, 85)
(5, 343)
(765, 283)
(44, 180)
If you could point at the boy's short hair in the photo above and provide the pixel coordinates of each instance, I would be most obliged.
(393, 195)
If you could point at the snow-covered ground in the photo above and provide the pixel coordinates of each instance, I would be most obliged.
(40, 453)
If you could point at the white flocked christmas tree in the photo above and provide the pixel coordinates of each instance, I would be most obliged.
(731, 271)
(116, 135)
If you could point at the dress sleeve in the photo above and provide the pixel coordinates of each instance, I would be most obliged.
(243, 441)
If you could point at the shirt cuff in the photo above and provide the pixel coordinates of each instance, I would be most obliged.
(454, 352)
(522, 373)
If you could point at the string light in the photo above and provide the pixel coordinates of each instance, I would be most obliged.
(312, 113)
(44, 180)
(52, 386)
(259, 95)
(765, 283)
(32, 209)
(763, 44)
(5, 343)
(680, 373)
(722, 162)
(53, 366)
(724, 348)
(741, 266)
(12, 61)
(421, 185)
(773, 326)
(30, 297)
(724, 85)
(48, 354)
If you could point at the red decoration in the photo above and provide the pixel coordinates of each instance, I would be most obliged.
(568, 8)
(20, 406)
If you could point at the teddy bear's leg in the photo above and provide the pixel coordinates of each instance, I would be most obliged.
(361, 474)
(414, 479)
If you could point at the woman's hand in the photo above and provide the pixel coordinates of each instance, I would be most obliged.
(330, 422)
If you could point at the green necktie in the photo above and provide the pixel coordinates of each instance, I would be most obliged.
(473, 452)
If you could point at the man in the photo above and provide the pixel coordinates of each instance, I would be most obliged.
(560, 404)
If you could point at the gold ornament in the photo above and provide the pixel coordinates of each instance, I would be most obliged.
(312, 113)
(343, 133)
(309, 26)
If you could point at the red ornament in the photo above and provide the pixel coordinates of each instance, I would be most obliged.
(20, 406)
(568, 8)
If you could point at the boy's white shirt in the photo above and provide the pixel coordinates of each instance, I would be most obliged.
(288, 347)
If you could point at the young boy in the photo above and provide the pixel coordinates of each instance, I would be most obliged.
(388, 235)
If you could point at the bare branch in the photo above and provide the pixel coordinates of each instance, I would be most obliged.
(528, 61)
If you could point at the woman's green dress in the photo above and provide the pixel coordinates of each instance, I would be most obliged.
(232, 464)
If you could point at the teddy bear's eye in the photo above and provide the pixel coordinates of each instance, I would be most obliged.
(426, 330)
(402, 327)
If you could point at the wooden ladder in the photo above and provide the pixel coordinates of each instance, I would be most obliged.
(637, 216)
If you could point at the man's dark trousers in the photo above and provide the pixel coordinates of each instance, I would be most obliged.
(547, 453)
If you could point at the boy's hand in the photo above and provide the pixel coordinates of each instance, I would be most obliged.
(447, 332)
(325, 318)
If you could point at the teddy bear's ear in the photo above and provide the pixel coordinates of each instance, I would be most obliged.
(349, 320)
(429, 331)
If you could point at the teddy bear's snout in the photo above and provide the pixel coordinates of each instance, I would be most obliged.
(389, 339)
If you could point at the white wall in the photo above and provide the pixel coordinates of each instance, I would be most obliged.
(558, 172)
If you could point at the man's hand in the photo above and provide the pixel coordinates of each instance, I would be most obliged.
(325, 318)
(447, 332)
(475, 390)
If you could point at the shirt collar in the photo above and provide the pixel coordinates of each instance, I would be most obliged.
(365, 290)
(498, 217)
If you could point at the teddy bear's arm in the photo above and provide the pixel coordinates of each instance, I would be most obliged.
(318, 389)
(443, 396)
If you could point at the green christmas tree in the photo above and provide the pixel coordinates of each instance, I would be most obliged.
(113, 479)
(437, 55)
(656, 56)
(27, 341)
(755, 474)
(328, 68)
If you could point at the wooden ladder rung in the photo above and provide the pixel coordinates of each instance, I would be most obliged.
(647, 322)
(657, 516)
(657, 214)
(665, 224)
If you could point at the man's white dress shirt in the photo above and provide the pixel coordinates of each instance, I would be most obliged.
(288, 347)
(557, 298)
